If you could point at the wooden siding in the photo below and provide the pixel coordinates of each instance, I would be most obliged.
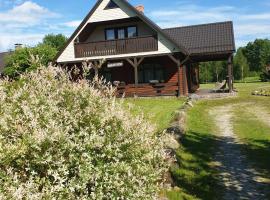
(193, 77)
(144, 90)
(116, 47)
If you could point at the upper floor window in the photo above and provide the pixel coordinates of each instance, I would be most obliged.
(132, 31)
(111, 5)
(121, 33)
(110, 34)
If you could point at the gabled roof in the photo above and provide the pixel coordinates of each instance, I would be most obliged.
(139, 14)
(205, 38)
(2, 60)
(154, 26)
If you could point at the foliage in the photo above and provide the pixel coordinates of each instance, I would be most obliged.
(213, 71)
(257, 54)
(56, 41)
(67, 140)
(265, 76)
(18, 62)
(249, 61)
(241, 67)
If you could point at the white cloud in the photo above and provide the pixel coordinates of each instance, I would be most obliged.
(26, 22)
(72, 24)
(7, 41)
(4, 3)
(25, 15)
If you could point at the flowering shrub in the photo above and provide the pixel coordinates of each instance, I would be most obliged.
(67, 140)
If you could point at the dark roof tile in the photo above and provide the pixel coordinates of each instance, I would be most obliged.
(205, 38)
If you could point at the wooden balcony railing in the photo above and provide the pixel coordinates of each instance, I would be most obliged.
(116, 47)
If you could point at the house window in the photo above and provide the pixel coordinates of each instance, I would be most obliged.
(121, 33)
(110, 34)
(111, 5)
(150, 72)
(131, 31)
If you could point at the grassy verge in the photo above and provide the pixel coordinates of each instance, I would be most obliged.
(195, 176)
(256, 136)
(160, 111)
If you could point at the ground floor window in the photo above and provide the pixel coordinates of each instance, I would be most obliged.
(151, 72)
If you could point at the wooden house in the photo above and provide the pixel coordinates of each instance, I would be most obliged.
(142, 59)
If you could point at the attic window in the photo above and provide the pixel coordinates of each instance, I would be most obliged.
(111, 5)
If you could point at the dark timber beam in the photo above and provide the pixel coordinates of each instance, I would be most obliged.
(178, 63)
(96, 65)
(135, 63)
(230, 76)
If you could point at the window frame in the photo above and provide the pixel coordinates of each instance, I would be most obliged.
(119, 28)
(153, 67)
(108, 29)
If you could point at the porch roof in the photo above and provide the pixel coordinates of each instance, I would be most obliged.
(205, 41)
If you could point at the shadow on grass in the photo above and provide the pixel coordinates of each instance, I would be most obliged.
(194, 175)
(258, 151)
(198, 175)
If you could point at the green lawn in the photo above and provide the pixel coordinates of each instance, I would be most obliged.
(196, 176)
(160, 111)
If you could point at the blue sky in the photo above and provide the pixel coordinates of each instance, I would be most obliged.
(27, 21)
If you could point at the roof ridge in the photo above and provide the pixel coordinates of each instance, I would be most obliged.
(206, 24)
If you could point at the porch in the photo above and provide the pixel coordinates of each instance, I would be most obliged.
(145, 77)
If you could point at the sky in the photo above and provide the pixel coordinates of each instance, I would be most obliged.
(27, 21)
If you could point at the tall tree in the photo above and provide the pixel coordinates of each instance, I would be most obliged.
(257, 54)
(241, 67)
(57, 41)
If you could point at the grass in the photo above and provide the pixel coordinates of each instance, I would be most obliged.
(159, 111)
(195, 175)
(199, 143)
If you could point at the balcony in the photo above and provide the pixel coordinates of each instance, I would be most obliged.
(116, 47)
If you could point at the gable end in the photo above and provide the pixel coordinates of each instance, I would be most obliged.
(111, 5)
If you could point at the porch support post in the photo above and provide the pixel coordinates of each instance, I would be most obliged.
(135, 63)
(178, 63)
(95, 66)
(230, 77)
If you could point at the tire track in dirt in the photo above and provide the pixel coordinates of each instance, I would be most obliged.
(236, 175)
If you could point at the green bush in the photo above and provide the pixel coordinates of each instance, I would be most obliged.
(265, 76)
(67, 140)
(20, 61)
